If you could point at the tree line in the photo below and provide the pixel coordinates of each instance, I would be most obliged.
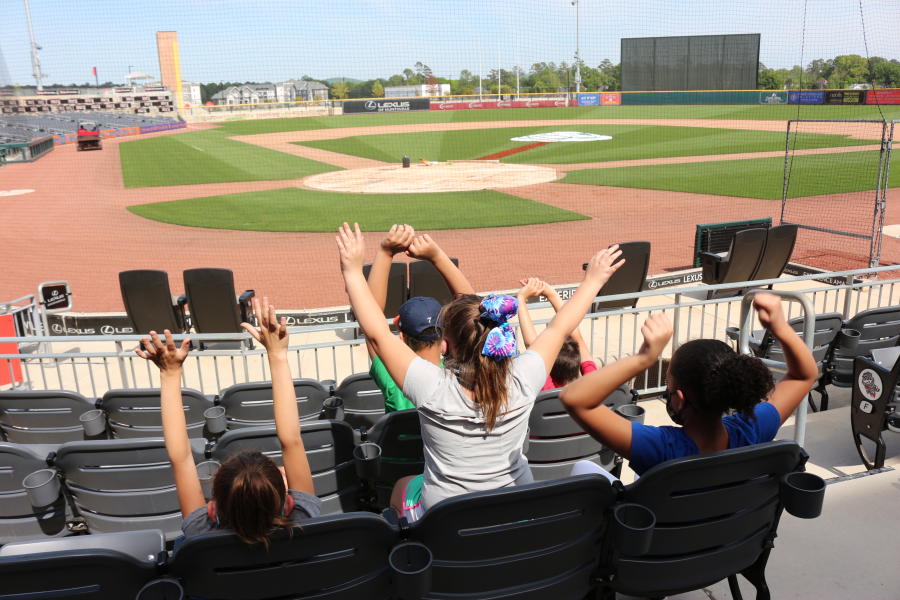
(834, 73)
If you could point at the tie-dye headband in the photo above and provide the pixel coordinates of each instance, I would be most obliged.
(501, 340)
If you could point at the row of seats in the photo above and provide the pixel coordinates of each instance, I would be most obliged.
(683, 525)
(754, 254)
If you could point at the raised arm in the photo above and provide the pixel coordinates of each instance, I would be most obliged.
(169, 358)
(425, 248)
(531, 287)
(397, 241)
(584, 397)
(599, 270)
(557, 302)
(396, 355)
(273, 336)
(802, 371)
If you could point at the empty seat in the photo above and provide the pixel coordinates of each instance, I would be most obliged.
(628, 279)
(877, 327)
(426, 280)
(250, 404)
(42, 417)
(19, 520)
(875, 399)
(148, 301)
(396, 287)
(122, 485)
(737, 265)
(329, 449)
(214, 309)
(362, 400)
(136, 413)
(532, 541)
(777, 252)
(400, 437)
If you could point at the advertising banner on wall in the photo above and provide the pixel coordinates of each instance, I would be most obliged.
(588, 99)
(476, 104)
(845, 97)
(806, 97)
(883, 97)
(611, 99)
(386, 105)
(773, 97)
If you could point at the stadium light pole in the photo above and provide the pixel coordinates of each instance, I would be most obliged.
(577, 6)
(35, 60)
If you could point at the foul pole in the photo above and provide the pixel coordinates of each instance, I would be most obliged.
(35, 61)
(577, 46)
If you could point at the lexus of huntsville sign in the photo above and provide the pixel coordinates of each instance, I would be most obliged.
(386, 105)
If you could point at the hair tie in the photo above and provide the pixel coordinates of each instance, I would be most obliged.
(501, 339)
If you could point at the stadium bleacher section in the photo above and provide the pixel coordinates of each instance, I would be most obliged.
(25, 127)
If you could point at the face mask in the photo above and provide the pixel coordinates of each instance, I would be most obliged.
(676, 416)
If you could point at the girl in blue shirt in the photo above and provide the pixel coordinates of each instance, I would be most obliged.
(705, 380)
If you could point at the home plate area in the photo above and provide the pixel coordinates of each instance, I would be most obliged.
(423, 178)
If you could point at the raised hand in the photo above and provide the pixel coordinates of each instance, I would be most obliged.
(271, 333)
(168, 357)
(531, 287)
(424, 248)
(657, 332)
(603, 264)
(398, 239)
(768, 310)
(351, 246)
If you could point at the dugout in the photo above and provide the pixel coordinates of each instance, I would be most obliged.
(26, 151)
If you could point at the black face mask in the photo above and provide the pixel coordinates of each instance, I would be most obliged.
(676, 416)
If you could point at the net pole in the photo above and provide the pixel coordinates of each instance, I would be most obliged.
(784, 185)
(880, 185)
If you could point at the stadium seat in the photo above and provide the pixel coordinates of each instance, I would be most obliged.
(877, 328)
(339, 557)
(250, 404)
(134, 413)
(214, 309)
(525, 542)
(716, 516)
(19, 520)
(628, 279)
(363, 402)
(777, 253)
(873, 403)
(94, 567)
(148, 301)
(329, 448)
(42, 417)
(556, 442)
(736, 265)
(400, 438)
(396, 289)
(122, 485)
(426, 280)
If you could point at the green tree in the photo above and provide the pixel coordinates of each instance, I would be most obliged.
(339, 90)
(377, 89)
(848, 69)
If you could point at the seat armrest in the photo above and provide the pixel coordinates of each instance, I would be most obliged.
(732, 333)
(710, 264)
(144, 545)
(244, 301)
(180, 316)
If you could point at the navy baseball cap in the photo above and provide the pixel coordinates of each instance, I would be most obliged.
(418, 315)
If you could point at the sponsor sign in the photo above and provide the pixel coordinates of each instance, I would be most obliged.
(773, 97)
(797, 269)
(806, 97)
(47, 92)
(69, 325)
(156, 88)
(845, 97)
(588, 99)
(161, 126)
(122, 90)
(562, 136)
(670, 280)
(611, 98)
(55, 296)
(883, 97)
(477, 104)
(386, 105)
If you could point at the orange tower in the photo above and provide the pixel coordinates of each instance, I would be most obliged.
(170, 64)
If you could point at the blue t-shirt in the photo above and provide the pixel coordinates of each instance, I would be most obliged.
(653, 445)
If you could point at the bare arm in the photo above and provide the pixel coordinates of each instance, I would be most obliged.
(425, 248)
(599, 270)
(530, 288)
(396, 355)
(273, 335)
(802, 371)
(584, 397)
(169, 359)
(397, 240)
(557, 302)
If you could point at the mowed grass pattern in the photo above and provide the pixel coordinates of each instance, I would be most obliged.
(629, 142)
(207, 157)
(753, 178)
(295, 209)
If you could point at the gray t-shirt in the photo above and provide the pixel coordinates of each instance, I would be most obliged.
(460, 454)
(306, 506)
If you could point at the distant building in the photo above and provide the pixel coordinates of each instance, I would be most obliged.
(191, 93)
(296, 90)
(400, 91)
(292, 90)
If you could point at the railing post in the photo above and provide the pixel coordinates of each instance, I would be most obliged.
(123, 370)
(848, 289)
(676, 324)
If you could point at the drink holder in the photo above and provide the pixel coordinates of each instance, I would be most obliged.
(42, 487)
(216, 422)
(333, 408)
(632, 528)
(93, 422)
(367, 459)
(206, 471)
(802, 494)
(166, 588)
(410, 564)
(849, 339)
(632, 412)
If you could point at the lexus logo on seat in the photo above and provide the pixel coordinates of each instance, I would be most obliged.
(371, 105)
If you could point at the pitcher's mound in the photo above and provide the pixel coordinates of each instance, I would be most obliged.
(435, 177)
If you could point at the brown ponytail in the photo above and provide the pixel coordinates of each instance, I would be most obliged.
(466, 332)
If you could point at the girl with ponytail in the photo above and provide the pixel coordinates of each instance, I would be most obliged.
(474, 410)
(250, 496)
(705, 380)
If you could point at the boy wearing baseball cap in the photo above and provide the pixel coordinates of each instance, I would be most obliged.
(418, 317)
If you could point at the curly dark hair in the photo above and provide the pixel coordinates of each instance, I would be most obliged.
(717, 379)
(567, 367)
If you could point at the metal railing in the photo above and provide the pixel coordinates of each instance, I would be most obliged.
(332, 352)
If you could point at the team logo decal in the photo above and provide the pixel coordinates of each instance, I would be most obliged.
(869, 384)
(562, 136)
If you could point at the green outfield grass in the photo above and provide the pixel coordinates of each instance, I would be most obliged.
(739, 112)
(207, 157)
(629, 142)
(752, 178)
(295, 209)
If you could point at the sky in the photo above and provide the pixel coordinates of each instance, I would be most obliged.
(274, 40)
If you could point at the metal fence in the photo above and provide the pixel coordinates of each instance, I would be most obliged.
(91, 365)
